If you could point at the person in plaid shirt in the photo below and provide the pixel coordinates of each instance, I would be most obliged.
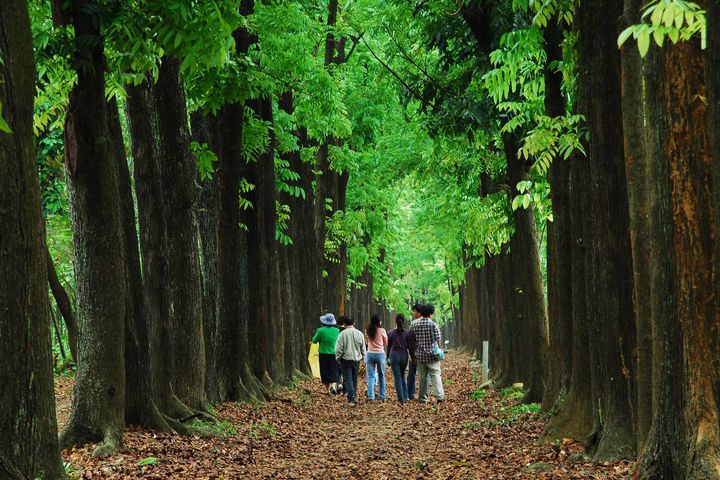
(422, 331)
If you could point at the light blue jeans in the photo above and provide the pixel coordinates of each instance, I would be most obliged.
(372, 361)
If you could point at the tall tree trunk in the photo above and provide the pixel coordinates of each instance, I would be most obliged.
(331, 188)
(684, 441)
(98, 412)
(608, 254)
(206, 213)
(265, 324)
(527, 285)
(574, 416)
(232, 326)
(142, 120)
(140, 407)
(640, 204)
(559, 243)
(63, 303)
(182, 301)
(301, 273)
(28, 445)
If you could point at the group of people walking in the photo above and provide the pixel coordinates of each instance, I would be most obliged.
(342, 347)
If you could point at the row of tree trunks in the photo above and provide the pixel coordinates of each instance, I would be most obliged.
(28, 445)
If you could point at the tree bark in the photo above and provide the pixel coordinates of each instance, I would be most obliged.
(559, 243)
(608, 267)
(265, 323)
(684, 441)
(527, 288)
(140, 407)
(98, 412)
(640, 205)
(206, 213)
(573, 417)
(28, 445)
(181, 268)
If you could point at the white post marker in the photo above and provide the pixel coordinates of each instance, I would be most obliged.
(485, 356)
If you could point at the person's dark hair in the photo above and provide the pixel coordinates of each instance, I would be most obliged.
(400, 321)
(417, 307)
(427, 310)
(374, 325)
(345, 320)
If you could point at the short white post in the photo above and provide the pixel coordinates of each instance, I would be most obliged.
(486, 355)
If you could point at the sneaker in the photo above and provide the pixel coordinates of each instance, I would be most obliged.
(441, 400)
(332, 391)
(352, 404)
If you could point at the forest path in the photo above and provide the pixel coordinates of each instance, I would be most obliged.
(311, 435)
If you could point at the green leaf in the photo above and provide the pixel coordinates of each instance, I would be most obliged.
(147, 461)
(526, 200)
(658, 36)
(643, 40)
(674, 35)
(624, 35)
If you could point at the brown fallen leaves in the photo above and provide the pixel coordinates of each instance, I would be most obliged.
(318, 436)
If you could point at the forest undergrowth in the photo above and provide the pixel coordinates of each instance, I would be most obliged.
(305, 434)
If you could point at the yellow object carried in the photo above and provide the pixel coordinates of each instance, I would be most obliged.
(314, 359)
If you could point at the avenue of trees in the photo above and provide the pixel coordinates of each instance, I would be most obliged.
(187, 185)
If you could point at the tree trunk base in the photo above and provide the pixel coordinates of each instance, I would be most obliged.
(568, 422)
(111, 440)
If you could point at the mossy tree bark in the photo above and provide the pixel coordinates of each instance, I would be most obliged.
(98, 413)
(28, 445)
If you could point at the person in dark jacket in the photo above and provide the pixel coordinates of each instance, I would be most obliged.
(398, 344)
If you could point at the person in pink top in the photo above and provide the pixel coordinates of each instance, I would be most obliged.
(376, 339)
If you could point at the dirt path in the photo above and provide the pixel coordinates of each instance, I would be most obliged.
(311, 435)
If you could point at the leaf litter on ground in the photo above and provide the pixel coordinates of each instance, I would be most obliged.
(304, 433)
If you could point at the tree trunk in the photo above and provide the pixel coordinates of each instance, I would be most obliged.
(98, 412)
(559, 243)
(63, 303)
(640, 200)
(181, 269)
(140, 407)
(684, 441)
(28, 445)
(608, 268)
(142, 121)
(265, 324)
(527, 286)
(574, 417)
(206, 213)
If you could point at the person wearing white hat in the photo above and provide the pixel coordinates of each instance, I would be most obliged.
(326, 335)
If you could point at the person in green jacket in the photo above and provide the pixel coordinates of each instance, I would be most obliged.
(327, 335)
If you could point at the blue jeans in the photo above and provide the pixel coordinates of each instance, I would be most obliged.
(350, 370)
(398, 362)
(412, 372)
(374, 360)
